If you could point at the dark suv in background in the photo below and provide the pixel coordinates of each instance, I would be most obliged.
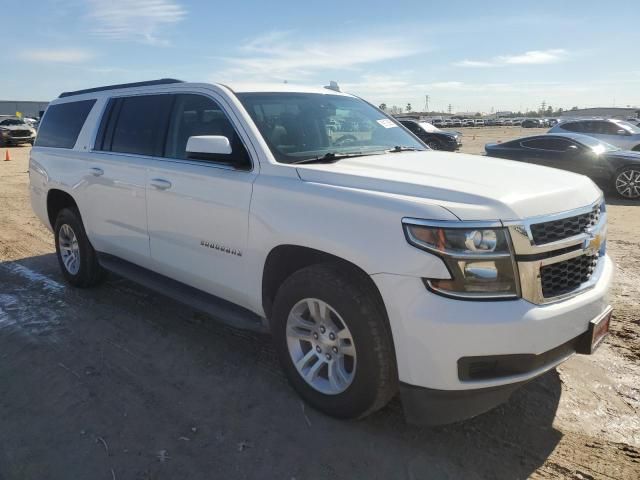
(435, 138)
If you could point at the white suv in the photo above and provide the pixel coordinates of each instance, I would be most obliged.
(377, 264)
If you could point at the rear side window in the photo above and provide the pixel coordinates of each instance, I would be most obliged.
(135, 125)
(551, 143)
(62, 123)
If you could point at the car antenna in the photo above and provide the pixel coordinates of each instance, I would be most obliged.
(333, 85)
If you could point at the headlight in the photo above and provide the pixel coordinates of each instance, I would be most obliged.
(477, 255)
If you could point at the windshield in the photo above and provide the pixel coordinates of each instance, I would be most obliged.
(427, 127)
(11, 121)
(631, 128)
(302, 126)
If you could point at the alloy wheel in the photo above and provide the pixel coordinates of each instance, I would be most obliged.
(69, 249)
(321, 346)
(628, 183)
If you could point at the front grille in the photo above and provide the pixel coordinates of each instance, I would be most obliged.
(555, 230)
(19, 133)
(564, 277)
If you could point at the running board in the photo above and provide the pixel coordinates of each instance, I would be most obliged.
(220, 309)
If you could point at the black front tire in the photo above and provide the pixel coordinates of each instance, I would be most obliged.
(90, 272)
(376, 379)
(433, 145)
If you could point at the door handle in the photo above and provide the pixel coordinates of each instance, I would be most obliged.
(160, 183)
(96, 172)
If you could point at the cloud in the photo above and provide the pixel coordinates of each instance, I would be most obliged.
(532, 57)
(141, 20)
(278, 56)
(57, 55)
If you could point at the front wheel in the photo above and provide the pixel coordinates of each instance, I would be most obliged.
(433, 145)
(76, 256)
(627, 183)
(333, 341)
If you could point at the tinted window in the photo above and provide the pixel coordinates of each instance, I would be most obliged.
(553, 144)
(573, 126)
(62, 123)
(195, 115)
(606, 128)
(135, 125)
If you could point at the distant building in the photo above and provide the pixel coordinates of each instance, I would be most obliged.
(606, 112)
(27, 108)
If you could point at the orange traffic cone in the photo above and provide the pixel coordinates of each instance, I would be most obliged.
(7, 157)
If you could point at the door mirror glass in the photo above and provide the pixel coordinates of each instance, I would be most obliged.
(201, 146)
(572, 149)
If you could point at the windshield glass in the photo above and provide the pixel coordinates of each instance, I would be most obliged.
(302, 126)
(427, 127)
(11, 121)
(629, 127)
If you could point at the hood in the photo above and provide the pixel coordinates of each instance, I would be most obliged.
(16, 127)
(472, 187)
(626, 155)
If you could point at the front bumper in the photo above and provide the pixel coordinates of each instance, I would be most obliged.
(432, 333)
(425, 406)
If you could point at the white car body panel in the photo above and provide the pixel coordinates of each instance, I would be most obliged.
(352, 209)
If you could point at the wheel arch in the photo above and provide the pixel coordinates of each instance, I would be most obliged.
(57, 200)
(283, 260)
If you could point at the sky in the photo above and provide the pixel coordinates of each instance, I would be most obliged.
(473, 55)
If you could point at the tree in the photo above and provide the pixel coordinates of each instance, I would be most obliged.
(383, 106)
(408, 107)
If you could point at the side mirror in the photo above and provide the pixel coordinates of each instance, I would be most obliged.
(202, 146)
(572, 149)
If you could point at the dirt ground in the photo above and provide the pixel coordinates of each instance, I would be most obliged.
(121, 383)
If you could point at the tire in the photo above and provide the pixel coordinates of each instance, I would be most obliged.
(433, 145)
(626, 182)
(372, 368)
(85, 271)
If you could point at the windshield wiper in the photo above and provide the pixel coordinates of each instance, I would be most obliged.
(331, 157)
(399, 148)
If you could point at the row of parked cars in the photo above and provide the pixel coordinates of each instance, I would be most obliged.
(494, 122)
(605, 150)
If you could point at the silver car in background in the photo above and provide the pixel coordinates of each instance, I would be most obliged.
(622, 134)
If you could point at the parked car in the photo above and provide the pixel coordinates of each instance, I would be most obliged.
(467, 122)
(616, 132)
(376, 264)
(437, 122)
(516, 122)
(607, 165)
(14, 131)
(508, 122)
(456, 122)
(531, 123)
(432, 136)
(478, 122)
(500, 122)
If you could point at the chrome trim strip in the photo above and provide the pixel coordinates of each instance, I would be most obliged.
(452, 223)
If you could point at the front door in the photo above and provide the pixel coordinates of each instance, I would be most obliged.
(198, 206)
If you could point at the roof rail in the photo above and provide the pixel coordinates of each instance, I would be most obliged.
(162, 81)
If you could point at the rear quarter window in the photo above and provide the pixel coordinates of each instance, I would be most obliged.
(62, 123)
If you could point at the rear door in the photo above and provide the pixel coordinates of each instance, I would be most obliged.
(131, 133)
(198, 205)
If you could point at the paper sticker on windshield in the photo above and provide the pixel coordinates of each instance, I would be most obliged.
(386, 123)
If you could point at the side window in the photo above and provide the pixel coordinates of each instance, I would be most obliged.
(607, 128)
(413, 127)
(550, 144)
(574, 127)
(195, 115)
(135, 125)
(62, 123)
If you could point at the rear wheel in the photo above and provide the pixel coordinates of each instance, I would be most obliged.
(333, 341)
(627, 182)
(76, 256)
